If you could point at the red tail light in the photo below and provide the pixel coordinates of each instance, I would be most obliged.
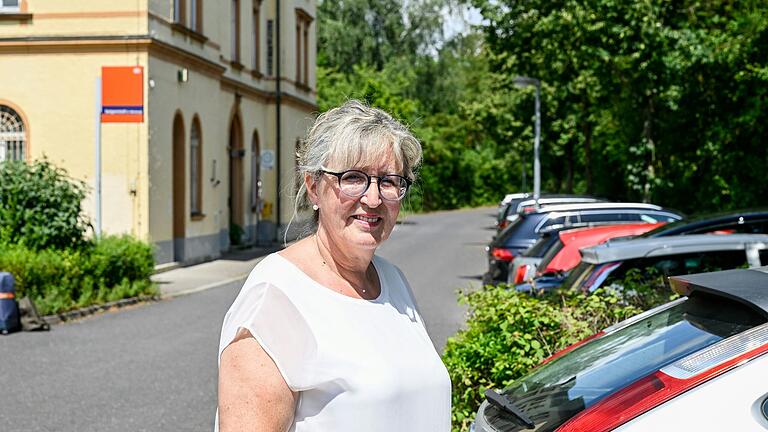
(503, 223)
(520, 274)
(657, 388)
(502, 254)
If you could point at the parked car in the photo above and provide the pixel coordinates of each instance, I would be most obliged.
(745, 221)
(507, 201)
(526, 204)
(561, 253)
(697, 363)
(608, 264)
(524, 232)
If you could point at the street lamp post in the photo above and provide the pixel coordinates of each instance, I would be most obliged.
(522, 81)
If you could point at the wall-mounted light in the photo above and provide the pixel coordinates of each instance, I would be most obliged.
(183, 75)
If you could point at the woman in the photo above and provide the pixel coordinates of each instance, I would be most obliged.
(324, 335)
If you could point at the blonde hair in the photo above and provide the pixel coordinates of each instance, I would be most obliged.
(353, 134)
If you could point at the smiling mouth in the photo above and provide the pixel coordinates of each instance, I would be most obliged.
(367, 219)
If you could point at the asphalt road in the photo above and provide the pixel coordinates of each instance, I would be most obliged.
(153, 367)
(440, 253)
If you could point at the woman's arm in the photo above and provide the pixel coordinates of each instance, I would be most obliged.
(253, 395)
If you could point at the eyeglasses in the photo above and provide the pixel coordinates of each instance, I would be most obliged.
(354, 183)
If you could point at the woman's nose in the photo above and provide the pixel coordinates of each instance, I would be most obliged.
(372, 196)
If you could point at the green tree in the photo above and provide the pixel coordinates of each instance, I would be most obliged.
(641, 98)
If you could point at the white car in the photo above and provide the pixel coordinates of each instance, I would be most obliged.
(698, 363)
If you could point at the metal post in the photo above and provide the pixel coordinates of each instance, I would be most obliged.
(536, 162)
(97, 154)
(523, 81)
(278, 135)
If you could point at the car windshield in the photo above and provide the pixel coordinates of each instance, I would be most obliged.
(560, 389)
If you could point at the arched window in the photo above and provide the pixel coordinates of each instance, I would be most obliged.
(255, 171)
(12, 135)
(195, 168)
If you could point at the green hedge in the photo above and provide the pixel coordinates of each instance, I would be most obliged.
(109, 269)
(508, 333)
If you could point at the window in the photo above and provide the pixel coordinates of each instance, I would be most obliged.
(303, 21)
(195, 168)
(270, 48)
(12, 135)
(9, 6)
(235, 26)
(196, 12)
(255, 171)
(256, 40)
(179, 11)
(610, 217)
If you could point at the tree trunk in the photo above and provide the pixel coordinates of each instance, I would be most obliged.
(650, 151)
(569, 167)
(586, 130)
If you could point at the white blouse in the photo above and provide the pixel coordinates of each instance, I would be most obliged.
(356, 364)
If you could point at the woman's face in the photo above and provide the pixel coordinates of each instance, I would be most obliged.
(359, 222)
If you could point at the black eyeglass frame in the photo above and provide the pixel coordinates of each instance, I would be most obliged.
(338, 175)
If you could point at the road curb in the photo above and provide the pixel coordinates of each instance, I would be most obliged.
(119, 304)
(217, 284)
(94, 309)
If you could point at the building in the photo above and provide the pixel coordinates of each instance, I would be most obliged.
(212, 163)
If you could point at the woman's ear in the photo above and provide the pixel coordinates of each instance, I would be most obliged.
(310, 181)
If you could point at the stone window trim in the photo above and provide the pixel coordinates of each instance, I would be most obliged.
(303, 23)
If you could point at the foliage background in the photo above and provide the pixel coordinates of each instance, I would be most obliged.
(646, 100)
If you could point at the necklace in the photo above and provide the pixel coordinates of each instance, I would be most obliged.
(322, 258)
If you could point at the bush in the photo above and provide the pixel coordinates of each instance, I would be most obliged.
(112, 268)
(508, 333)
(40, 206)
(116, 258)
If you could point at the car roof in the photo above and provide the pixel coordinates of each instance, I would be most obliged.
(699, 222)
(546, 200)
(661, 246)
(746, 286)
(597, 206)
(577, 234)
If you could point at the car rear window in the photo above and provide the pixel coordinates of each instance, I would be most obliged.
(551, 253)
(560, 389)
(523, 228)
(542, 245)
(576, 276)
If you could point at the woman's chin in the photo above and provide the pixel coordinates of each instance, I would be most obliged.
(367, 239)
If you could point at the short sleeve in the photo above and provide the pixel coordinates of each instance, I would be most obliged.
(279, 327)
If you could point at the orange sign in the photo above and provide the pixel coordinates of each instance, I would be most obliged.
(122, 94)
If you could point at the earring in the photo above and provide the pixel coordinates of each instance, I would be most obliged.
(315, 207)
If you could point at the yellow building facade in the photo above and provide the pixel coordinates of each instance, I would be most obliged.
(212, 164)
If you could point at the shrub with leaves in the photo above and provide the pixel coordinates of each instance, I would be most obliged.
(508, 333)
(40, 206)
(112, 268)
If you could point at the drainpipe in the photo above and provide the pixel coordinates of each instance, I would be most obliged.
(277, 115)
